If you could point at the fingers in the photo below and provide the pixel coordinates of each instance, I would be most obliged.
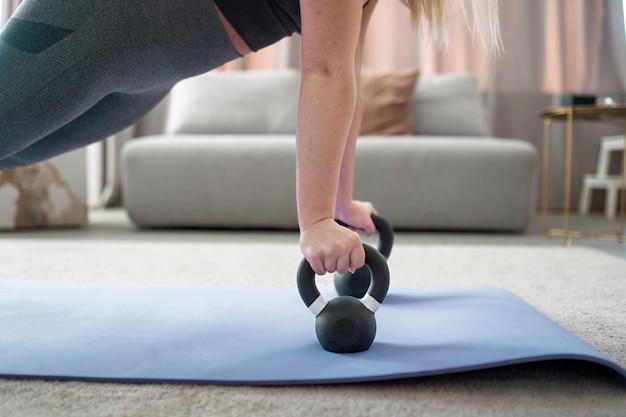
(339, 260)
(342, 265)
(317, 264)
(370, 228)
(358, 217)
(345, 262)
(336, 249)
(357, 258)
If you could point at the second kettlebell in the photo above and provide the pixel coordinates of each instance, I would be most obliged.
(356, 284)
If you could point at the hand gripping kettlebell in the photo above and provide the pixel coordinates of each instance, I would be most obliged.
(346, 324)
(357, 283)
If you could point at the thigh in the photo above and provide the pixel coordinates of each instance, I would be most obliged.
(64, 61)
(53, 68)
(112, 114)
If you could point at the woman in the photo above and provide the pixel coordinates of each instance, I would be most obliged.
(74, 72)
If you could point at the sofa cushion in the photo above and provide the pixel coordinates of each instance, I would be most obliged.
(449, 104)
(235, 102)
(387, 102)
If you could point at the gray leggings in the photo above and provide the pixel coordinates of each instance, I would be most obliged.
(73, 72)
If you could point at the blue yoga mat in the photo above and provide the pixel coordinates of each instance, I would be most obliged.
(262, 336)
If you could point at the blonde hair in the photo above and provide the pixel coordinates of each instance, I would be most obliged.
(481, 17)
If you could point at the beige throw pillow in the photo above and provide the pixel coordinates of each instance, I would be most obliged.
(387, 99)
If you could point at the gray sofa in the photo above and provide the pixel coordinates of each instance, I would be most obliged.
(227, 160)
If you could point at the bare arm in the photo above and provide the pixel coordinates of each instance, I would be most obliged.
(328, 94)
(355, 213)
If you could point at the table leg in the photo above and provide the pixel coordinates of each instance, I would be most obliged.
(622, 191)
(545, 177)
(567, 239)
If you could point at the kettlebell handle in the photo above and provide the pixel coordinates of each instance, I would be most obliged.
(372, 300)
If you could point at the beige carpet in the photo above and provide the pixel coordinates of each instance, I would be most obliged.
(581, 289)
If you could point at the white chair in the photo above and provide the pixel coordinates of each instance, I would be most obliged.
(602, 180)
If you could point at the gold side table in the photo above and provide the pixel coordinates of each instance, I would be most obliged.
(569, 114)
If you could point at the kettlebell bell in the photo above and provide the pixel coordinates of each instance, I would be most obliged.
(357, 283)
(346, 324)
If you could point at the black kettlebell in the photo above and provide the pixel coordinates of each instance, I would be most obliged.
(346, 324)
(357, 283)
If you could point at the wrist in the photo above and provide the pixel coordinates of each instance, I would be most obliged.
(344, 201)
(342, 208)
(308, 220)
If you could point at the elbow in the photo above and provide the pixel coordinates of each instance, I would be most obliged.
(330, 80)
(341, 70)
